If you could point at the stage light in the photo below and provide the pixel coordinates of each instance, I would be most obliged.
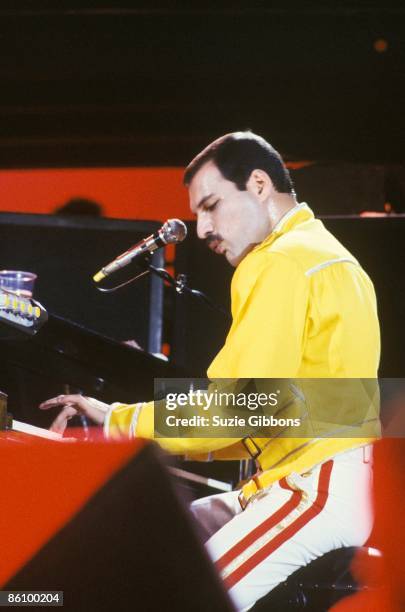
(380, 45)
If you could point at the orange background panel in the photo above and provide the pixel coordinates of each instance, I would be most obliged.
(43, 485)
(128, 193)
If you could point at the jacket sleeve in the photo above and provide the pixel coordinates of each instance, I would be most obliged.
(137, 420)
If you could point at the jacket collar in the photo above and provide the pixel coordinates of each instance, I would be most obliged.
(293, 217)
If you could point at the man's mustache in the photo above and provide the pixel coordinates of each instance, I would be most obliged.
(213, 238)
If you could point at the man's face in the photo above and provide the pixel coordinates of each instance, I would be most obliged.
(231, 221)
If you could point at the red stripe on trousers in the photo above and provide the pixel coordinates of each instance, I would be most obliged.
(288, 532)
(261, 529)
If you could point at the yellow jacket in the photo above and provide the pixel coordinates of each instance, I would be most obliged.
(302, 307)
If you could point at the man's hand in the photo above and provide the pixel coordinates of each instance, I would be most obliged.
(72, 405)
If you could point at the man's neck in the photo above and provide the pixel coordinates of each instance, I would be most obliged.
(279, 206)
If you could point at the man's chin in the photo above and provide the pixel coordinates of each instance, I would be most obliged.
(235, 259)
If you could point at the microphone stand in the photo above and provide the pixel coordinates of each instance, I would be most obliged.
(179, 284)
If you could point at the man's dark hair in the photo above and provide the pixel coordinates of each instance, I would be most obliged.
(236, 155)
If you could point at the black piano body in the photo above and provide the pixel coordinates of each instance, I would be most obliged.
(65, 357)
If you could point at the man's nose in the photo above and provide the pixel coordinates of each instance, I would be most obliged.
(205, 226)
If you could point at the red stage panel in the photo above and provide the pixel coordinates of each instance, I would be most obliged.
(128, 193)
(44, 484)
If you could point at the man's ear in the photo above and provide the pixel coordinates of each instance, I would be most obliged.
(260, 184)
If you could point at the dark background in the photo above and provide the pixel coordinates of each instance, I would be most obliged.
(121, 83)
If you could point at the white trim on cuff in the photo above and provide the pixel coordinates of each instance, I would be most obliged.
(134, 420)
(107, 418)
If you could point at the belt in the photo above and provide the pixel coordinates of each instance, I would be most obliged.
(255, 487)
(262, 481)
(258, 482)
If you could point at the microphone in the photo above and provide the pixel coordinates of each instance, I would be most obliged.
(171, 232)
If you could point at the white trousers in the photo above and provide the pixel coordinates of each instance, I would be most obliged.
(296, 520)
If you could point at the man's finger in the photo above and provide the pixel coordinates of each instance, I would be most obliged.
(88, 406)
(60, 400)
(59, 424)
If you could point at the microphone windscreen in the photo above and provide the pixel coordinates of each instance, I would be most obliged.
(174, 231)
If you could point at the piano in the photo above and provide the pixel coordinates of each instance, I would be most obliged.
(52, 355)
